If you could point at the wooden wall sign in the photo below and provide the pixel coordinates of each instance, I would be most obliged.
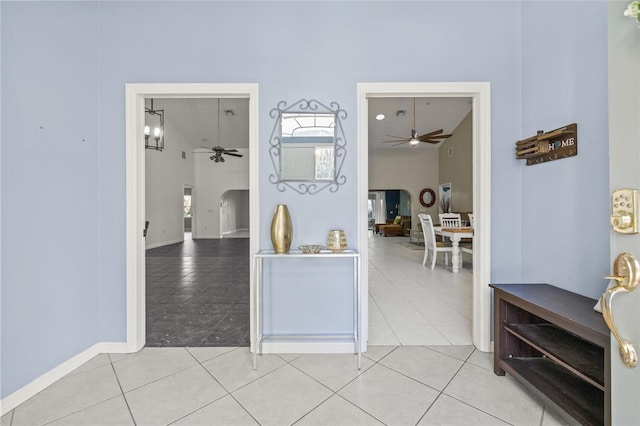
(549, 146)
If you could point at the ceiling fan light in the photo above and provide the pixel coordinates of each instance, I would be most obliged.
(380, 117)
(414, 141)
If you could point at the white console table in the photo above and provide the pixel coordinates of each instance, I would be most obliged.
(297, 254)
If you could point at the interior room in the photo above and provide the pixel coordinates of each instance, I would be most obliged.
(197, 209)
(408, 303)
(75, 80)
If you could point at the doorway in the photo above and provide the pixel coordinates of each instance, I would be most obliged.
(135, 185)
(187, 204)
(234, 214)
(481, 131)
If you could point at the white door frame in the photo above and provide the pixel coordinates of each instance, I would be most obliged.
(480, 93)
(135, 187)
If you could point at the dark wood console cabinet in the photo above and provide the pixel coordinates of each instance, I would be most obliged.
(553, 342)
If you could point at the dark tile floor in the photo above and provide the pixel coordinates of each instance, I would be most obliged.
(198, 293)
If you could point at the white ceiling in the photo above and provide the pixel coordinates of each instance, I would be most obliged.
(197, 120)
(430, 114)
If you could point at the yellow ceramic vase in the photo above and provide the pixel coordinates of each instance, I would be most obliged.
(281, 229)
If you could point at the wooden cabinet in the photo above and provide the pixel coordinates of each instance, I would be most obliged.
(553, 342)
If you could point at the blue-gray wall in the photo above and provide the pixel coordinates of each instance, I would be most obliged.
(65, 64)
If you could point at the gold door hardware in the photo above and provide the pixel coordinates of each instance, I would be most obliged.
(624, 211)
(626, 275)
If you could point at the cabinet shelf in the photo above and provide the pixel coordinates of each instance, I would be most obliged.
(581, 357)
(583, 402)
(552, 341)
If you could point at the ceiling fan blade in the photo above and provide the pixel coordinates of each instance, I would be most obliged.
(397, 140)
(233, 155)
(435, 132)
(397, 137)
(230, 150)
(400, 143)
(206, 147)
(424, 138)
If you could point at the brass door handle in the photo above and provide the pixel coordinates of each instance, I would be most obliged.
(626, 271)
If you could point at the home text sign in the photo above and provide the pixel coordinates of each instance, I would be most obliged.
(563, 143)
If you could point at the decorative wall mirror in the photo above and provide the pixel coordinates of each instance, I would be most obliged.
(307, 146)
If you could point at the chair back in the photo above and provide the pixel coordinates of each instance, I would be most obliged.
(472, 222)
(450, 220)
(427, 230)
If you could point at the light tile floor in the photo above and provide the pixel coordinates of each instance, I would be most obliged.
(410, 304)
(412, 374)
(406, 385)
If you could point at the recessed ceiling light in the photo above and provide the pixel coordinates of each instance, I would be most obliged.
(380, 117)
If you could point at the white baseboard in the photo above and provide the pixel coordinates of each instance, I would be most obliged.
(234, 231)
(162, 244)
(47, 379)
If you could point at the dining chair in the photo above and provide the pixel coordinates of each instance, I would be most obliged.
(468, 247)
(450, 220)
(430, 243)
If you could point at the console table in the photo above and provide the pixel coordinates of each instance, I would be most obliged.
(353, 337)
(553, 342)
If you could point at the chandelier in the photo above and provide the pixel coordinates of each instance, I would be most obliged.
(153, 119)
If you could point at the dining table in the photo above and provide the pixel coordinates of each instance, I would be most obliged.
(455, 235)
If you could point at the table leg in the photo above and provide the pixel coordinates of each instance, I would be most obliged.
(455, 255)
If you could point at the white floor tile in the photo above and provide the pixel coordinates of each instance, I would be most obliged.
(456, 334)
(382, 336)
(151, 364)
(337, 411)
(96, 361)
(389, 396)
(68, 395)
(482, 359)
(420, 336)
(375, 353)
(458, 352)
(406, 315)
(203, 354)
(332, 370)
(281, 397)
(235, 369)
(289, 357)
(451, 412)
(113, 412)
(6, 419)
(223, 412)
(499, 396)
(376, 317)
(173, 397)
(429, 367)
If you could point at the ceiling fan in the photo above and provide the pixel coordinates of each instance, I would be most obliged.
(431, 137)
(218, 151)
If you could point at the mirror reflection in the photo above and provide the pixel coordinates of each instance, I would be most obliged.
(307, 146)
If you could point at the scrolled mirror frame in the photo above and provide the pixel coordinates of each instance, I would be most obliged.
(302, 186)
